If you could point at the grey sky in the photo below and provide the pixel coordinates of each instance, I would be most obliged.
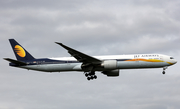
(96, 28)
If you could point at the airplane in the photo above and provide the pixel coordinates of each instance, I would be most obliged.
(108, 65)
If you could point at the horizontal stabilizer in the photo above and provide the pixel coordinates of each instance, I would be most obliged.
(15, 61)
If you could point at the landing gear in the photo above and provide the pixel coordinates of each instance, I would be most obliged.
(164, 70)
(90, 75)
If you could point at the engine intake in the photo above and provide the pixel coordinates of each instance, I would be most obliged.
(109, 64)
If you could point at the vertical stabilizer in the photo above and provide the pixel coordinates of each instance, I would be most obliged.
(20, 53)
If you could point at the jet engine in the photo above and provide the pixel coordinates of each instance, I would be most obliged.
(109, 64)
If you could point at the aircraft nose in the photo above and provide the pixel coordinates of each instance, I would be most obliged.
(175, 61)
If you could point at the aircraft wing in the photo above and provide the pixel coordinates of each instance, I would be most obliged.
(81, 57)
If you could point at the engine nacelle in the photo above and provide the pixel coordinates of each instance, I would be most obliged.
(111, 73)
(109, 64)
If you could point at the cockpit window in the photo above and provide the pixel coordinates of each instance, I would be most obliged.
(171, 58)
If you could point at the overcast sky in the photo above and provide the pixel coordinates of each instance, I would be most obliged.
(95, 27)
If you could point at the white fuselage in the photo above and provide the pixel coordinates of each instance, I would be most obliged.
(136, 61)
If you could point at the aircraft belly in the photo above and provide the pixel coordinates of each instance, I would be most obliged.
(77, 66)
(140, 64)
(54, 67)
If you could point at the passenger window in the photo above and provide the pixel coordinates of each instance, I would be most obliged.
(171, 58)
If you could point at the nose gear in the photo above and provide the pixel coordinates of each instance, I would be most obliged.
(164, 70)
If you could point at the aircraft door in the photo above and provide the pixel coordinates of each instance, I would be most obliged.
(137, 60)
(161, 58)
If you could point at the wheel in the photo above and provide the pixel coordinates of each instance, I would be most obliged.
(86, 75)
(88, 78)
(92, 77)
(95, 77)
(163, 72)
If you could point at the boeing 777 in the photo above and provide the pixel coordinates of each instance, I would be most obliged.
(108, 65)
